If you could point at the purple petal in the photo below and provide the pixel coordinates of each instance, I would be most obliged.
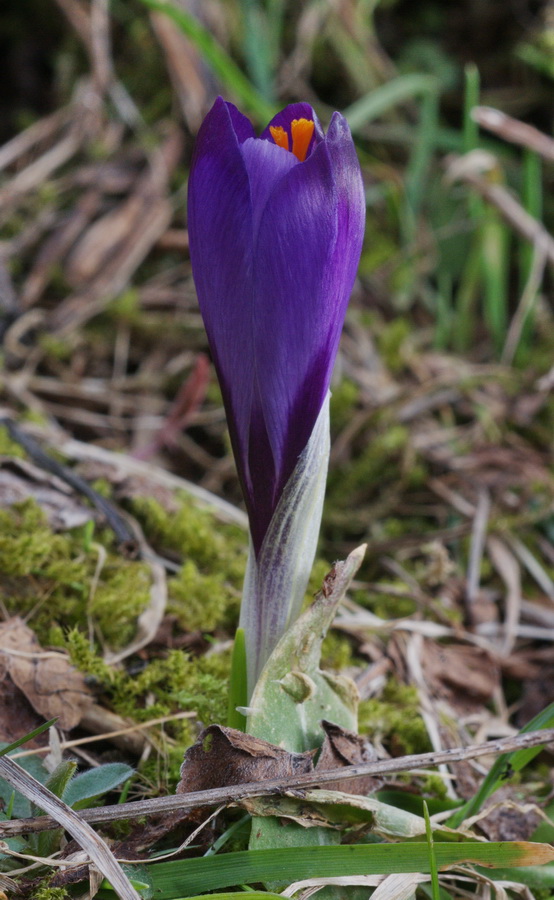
(351, 201)
(266, 164)
(221, 243)
(242, 126)
(292, 314)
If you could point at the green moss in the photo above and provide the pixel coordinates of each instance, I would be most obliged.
(85, 658)
(9, 447)
(336, 652)
(202, 602)
(50, 577)
(206, 591)
(395, 719)
(103, 487)
(44, 892)
(387, 606)
(125, 308)
(320, 569)
(379, 462)
(56, 348)
(163, 687)
(192, 533)
(344, 399)
(121, 595)
(391, 341)
(434, 786)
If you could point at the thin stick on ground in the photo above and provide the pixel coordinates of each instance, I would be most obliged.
(236, 793)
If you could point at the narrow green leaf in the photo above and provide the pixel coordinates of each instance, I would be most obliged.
(227, 834)
(432, 860)
(384, 98)
(185, 878)
(222, 64)
(238, 689)
(422, 152)
(471, 99)
(532, 197)
(60, 778)
(503, 767)
(27, 737)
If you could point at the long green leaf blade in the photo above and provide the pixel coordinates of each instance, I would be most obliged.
(27, 737)
(389, 95)
(222, 64)
(185, 878)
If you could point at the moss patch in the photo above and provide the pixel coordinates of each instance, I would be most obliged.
(45, 892)
(162, 687)
(9, 447)
(202, 602)
(206, 591)
(395, 719)
(51, 578)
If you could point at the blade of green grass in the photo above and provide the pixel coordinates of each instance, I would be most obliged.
(422, 153)
(503, 767)
(443, 310)
(386, 97)
(533, 204)
(495, 264)
(426, 889)
(227, 834)
(238, 691)
(27, 737)
(226, 70)
(471, 99)
(256, 48)
(185, 878)
(464, 323)
(435, 888)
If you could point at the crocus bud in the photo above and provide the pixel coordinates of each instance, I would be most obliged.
(276, 226)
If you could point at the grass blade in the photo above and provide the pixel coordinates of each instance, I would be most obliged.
(185, 878)
(223, 66)
(384, 98)
(503, 767)
(27, 737)
(238, 690)
(435, 888)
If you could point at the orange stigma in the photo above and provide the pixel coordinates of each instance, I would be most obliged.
(280, 136)
(301, 130)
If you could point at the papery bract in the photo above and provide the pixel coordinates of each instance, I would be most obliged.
(276, 226)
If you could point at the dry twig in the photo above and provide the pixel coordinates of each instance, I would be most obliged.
(236, 793)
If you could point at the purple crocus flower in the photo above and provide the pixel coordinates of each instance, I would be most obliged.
(276, 226)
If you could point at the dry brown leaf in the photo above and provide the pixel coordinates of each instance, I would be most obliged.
(508, 820)
(224, 756)
(346, 748)
(49, 682)
(465, 676)
(17, 716)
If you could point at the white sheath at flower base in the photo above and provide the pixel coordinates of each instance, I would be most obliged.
(276, 581)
